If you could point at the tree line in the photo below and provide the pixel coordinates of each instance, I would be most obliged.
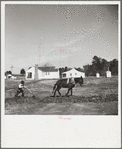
(22, 72)
(101, 65)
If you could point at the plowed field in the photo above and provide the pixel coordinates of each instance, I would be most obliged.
(95, 97)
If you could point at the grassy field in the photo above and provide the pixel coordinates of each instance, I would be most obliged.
(97, 96)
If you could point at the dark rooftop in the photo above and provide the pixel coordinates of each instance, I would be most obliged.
(48, 69)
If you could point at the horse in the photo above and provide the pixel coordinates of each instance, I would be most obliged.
(62, 83)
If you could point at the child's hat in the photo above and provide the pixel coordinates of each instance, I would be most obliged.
(22, 82)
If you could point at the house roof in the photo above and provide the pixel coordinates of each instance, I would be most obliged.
(48, 69)
(79, 69)
(72, 70)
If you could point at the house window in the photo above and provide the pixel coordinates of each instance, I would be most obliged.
(47, 73)
(29, 75)
(64, 75)
(70, 74)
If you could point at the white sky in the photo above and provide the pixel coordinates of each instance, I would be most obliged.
(64, 35)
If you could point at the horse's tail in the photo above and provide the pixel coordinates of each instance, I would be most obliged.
(54, 87)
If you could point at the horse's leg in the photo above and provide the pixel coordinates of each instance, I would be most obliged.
(58, 91)
(68, 91)
(73, 86)
(55, 92)
(81, 84)
(71, 92)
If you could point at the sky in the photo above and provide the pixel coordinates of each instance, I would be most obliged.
(62, 35)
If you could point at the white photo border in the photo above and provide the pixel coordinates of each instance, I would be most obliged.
(38, 131)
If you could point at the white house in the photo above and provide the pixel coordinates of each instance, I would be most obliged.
(36, 73)
(13, 77)
(9, 76)
(73, 73)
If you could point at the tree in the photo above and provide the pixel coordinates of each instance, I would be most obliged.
(22, 71)
(8, 72)
(65, 69)
(101, 66)
(88, 70)
(62, 70)
(114, 67)
(104, 67)
(98, 64)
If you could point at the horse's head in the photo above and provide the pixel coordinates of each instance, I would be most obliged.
(81, 82)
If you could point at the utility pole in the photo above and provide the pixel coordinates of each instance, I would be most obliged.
(11, 68)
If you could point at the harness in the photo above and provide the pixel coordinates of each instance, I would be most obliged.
(72, 81)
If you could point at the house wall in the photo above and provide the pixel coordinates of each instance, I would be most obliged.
(49, 75)
(36, 72)
(31, 70)
(73, 73)
(42, 75)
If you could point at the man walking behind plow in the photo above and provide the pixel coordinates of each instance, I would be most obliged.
(71, 81)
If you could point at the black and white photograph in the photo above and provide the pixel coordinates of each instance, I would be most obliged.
(61, 59)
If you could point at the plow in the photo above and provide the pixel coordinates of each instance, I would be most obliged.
(33, 95)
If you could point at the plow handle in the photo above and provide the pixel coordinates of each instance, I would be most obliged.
(28, 90)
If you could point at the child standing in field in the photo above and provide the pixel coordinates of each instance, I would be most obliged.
(20, 89)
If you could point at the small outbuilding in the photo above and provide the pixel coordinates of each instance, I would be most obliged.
(73, 73)
(108, 73)
(97, 75)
